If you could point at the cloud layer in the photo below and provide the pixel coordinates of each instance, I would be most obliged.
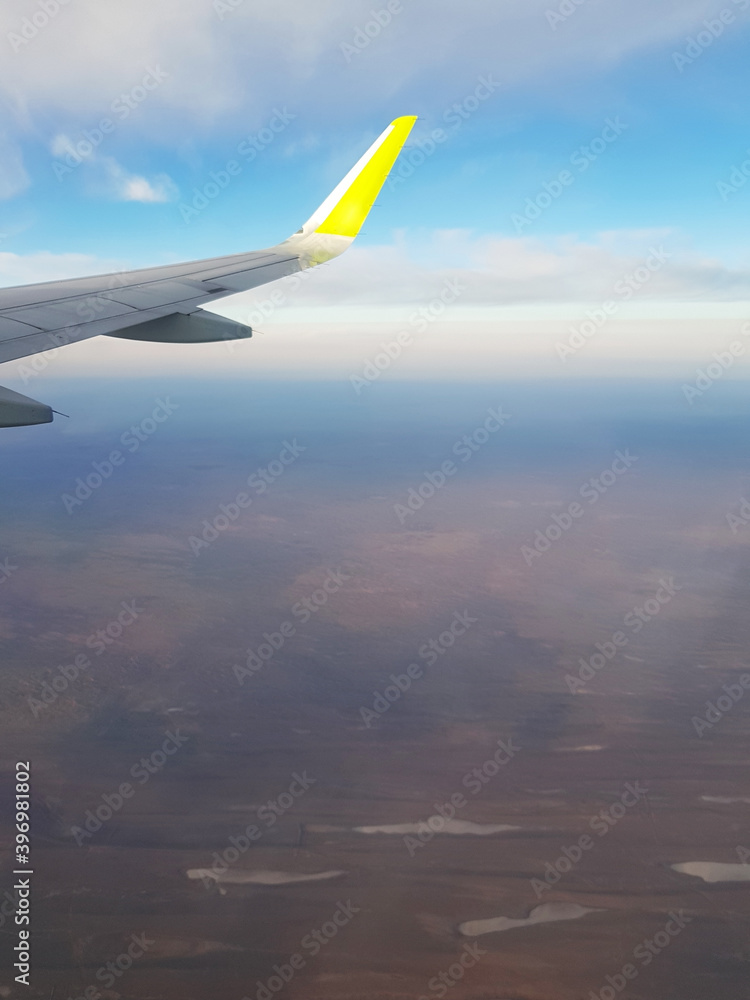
(230, 63)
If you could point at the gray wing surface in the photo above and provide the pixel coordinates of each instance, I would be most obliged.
(36, 318)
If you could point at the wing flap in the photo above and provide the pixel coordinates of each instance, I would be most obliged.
(68, 312)
(158, 293)
(247, 278)
(12, 328)
(38, 342)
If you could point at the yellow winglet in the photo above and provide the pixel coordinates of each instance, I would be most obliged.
(350, 203)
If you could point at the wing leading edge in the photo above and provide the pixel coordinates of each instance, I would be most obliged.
(166, 304)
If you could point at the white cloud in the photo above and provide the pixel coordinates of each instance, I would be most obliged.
(498, 272)
(227, 73)
(523, 298)
(61, 145)
(119, 183)
(501, 271)
(132, 187)
(18, 269)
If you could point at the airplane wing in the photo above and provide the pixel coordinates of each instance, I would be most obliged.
(167, 304)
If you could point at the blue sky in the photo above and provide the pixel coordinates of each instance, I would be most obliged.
(219, 74)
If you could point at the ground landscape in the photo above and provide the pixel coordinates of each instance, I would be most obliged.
(334, 746)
